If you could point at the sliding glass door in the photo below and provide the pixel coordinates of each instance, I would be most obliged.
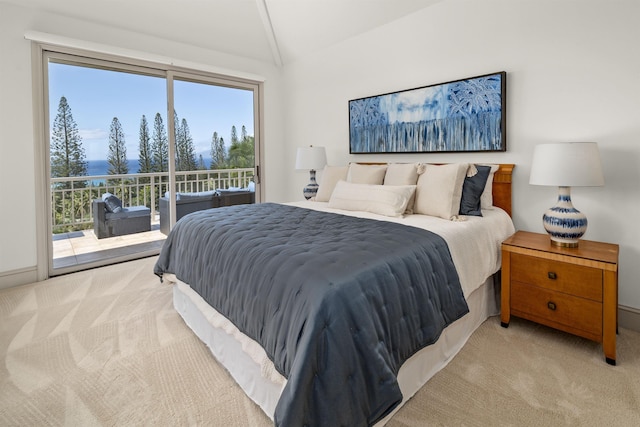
(214, 135)
(124, 140)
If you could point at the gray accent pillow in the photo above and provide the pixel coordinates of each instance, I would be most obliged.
(112, 203)
(472, 189)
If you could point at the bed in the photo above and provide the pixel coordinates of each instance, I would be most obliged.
(322, 345)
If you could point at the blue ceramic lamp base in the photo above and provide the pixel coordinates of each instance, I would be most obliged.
(564, 223)
(312, 188)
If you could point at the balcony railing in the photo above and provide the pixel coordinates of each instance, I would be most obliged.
(71, 197)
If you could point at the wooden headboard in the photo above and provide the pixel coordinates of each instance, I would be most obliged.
(502, 187)
(501, 184)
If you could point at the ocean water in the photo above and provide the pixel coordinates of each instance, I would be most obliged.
(101, 167)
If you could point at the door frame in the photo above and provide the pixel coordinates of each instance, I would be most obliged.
(40, 52)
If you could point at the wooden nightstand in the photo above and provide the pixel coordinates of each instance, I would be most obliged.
(571, 289)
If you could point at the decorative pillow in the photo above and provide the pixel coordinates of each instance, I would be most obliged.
(112, 203)
(167, 195)
(330, 176)
(403, 174)
(439, 190)
(366, 174)
(388, 200)
(472, 189)
(486, 200)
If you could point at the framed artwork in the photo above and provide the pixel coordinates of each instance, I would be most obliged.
(458, 116)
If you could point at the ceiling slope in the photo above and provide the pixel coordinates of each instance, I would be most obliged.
(274, 31)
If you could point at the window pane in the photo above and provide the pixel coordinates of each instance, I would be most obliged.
(214, 134)
(102, 141)
(96, 97)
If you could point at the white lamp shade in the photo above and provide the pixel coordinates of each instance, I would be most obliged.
(567, 164)
(311, 158)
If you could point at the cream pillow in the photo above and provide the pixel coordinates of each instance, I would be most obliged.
(402, 174)
(388, 200)
(330, 176)
(366, 174)
(439, 190)
(486, 200)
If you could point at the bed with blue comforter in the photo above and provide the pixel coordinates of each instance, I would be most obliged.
(338, 303)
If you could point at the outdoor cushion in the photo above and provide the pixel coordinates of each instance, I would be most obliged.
(131, 212)
(112, 203)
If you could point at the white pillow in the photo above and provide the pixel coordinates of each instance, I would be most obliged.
(366, 174)
(402, 174)
(486, 200)
(388, 200)
(330, 176)
(439, 190)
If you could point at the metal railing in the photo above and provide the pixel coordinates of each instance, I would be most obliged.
(71, 197)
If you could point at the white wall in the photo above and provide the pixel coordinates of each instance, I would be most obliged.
(573, 74)
(17, 162)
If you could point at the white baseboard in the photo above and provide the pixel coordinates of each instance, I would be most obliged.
(9, 279)
(629, 318)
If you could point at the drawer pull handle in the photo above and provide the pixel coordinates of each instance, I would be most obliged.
(552, 275)
(551, 305)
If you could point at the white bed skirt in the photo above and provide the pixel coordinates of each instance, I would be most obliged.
(249, 365)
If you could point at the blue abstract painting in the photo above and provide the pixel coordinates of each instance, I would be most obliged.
(462, 115)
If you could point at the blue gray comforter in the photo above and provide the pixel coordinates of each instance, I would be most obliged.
(338, 303)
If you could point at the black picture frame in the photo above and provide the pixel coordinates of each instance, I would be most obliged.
(465, 115)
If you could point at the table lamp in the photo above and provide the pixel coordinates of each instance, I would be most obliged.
(311, 158)
(566, 165)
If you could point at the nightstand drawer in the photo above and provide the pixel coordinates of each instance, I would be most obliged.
(571, 279)
(548, 306)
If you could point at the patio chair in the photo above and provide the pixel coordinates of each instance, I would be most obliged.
(111, 219)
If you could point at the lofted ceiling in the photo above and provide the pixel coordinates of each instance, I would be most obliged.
(274, 31)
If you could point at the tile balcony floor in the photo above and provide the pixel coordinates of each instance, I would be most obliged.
(79, 247)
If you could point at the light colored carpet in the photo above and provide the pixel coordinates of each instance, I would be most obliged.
(105, 347)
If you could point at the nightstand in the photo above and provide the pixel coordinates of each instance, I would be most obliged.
(571, 289)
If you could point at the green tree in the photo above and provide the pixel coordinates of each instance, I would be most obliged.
(234, 135)
(178, 139)
(160, 146)
(201, 165)
(67, 153)
(185, 151)
(145, 155)
(218, 154)
(241, 153)
(117, 157)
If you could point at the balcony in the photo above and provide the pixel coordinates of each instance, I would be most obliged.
(74, 241)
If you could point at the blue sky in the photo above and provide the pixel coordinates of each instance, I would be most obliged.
(97, 96)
